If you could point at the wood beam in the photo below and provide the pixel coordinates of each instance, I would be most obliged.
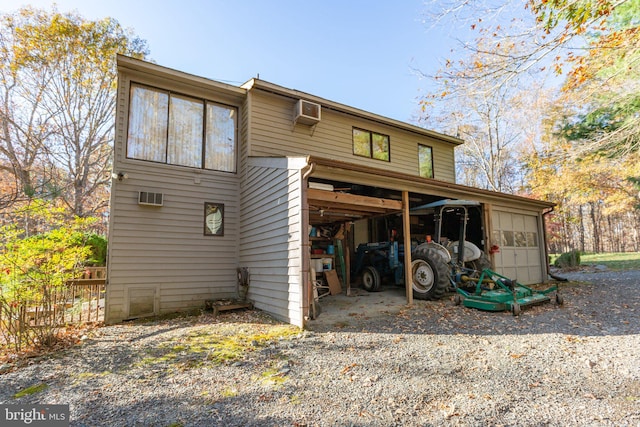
(314, 196)
(406, 226)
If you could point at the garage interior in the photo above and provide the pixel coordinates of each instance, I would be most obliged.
(346, 214)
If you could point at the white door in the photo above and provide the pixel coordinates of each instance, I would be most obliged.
(520, 240)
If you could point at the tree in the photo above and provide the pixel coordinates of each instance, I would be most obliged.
(493, 118)
(583, 154)
(58, 80)
(606, 82)
(594, 194)
(595, 43)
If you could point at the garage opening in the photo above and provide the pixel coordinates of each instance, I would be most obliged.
(357, 235)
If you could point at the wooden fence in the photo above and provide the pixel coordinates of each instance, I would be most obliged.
(87, 297)
(80, 301)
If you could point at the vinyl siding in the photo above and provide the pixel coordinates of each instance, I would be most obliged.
(159, 259)
(274, 134)
(164, 247)
(160, 255)
(270, 237)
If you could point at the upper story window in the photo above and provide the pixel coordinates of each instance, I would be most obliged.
(425, 161)
(370, 144)
(179, 130)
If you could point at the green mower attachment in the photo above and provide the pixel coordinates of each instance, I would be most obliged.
(494, 292)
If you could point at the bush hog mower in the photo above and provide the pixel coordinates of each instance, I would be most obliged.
(436, 268)
(494, 292)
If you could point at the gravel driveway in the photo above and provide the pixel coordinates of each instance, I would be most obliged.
(429, 365)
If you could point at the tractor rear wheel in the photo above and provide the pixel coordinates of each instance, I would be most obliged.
(370, 279)
(480, 263)
(429, 274)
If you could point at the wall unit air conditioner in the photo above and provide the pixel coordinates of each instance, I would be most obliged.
(150, 199)
(306, 113)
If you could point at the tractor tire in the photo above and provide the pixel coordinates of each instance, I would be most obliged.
(429, 274)
(371, 279)
(480, 263)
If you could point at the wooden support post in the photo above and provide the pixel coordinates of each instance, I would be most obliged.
(487, 217)
(406, 225)
(347, 258)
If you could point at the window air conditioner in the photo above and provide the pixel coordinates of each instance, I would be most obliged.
(150, 199)
(306, 113)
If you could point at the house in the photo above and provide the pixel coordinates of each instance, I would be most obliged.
(211, 177)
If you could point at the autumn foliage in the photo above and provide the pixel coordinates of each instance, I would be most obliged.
(570, 68)
(34, 273)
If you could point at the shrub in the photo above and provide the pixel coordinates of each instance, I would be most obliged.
(568, 259)
(34, 271)
(98, 247)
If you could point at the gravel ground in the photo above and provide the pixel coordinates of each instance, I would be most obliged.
(429, 365)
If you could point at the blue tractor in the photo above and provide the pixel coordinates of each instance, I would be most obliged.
(377, 260)
(385, 260)
(435, 267)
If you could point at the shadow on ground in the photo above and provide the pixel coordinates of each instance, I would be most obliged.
(595, 304)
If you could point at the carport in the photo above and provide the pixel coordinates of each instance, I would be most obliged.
(339, 192)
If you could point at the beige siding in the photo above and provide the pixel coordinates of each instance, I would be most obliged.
(274, 134)
(270, 238)
(164, 248)
(244, 134)
(159, 257)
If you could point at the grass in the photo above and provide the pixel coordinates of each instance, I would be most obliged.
(272, 377)
(613, 261)
(218, 344)
(31, 390)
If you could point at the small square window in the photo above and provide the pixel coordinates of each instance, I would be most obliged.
(380, 145)
(371, 144)
(213, 219)
(508, 239)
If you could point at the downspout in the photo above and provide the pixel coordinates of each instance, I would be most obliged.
(306, 246)
(311, 167)
(546, 249)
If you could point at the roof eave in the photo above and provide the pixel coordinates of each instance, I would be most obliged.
(256, 83)
(427, 184)
(141, 66)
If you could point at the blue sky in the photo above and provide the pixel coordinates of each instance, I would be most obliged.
(356, 52)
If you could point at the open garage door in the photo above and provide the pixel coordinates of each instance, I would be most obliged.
(519, 237)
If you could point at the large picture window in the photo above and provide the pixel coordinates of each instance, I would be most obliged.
(179, 130)
(370, 144)
(425, 161)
